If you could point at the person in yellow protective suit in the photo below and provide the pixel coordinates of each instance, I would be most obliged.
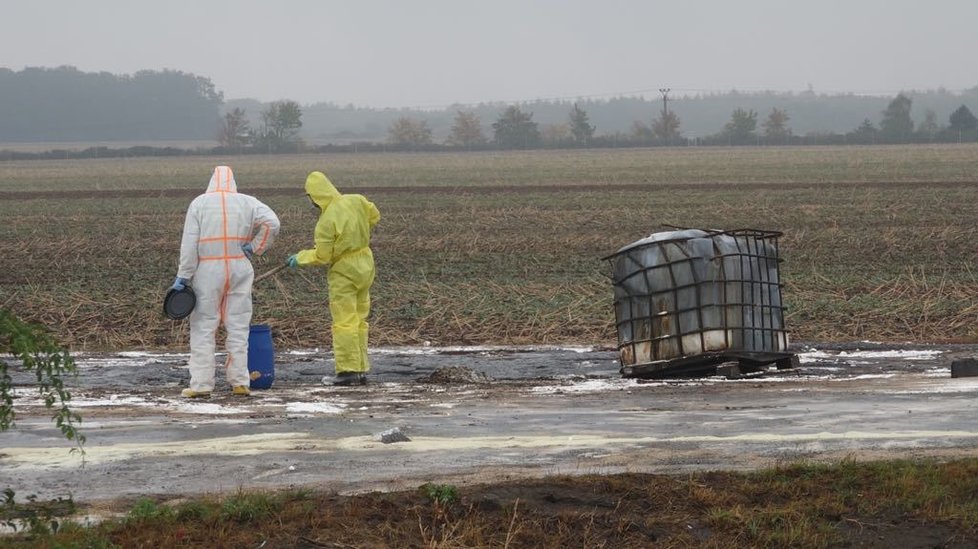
(221, 232)
(342, 242)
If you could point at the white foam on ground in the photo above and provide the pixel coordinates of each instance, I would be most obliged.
(29, 397)
(589, 386)
(147, 354)
(137, 358)
(956, 385)
(132, 359)
(313, 408)
(32, 397)
(812, 356)
(113, 400)
(474, 349)
(208, 408)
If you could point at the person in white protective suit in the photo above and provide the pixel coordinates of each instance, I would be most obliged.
(222, 230)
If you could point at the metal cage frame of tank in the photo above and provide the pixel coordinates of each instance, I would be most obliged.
(768, 341)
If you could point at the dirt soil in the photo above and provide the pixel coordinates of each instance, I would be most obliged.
(477, 189)
(516, 422)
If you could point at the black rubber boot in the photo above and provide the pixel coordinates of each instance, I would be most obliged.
(344, 379)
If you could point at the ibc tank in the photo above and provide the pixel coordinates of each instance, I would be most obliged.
(689, 292)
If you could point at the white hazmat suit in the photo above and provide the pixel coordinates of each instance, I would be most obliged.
(218, 223)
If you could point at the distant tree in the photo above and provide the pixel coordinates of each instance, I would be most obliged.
(516, 130)
(897, 126)
(408, 132)
(776, 126)
(929, 128)
(555, 135)
(467, 131)
(962, 120)
(235, 130)
(666, 126)
(641, 132)
(580, 127)
(40, 104)
(741, 127)
(280, 125)
(865, 133)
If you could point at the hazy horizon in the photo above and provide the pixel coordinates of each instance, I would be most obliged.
(436, 53)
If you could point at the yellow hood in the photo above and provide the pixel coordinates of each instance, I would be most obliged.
(320, 189)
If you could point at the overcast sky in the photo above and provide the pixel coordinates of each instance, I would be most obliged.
(431, 53)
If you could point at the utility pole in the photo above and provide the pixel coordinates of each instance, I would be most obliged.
(665, 113)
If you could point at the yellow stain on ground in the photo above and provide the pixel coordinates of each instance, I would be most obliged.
(303, 442)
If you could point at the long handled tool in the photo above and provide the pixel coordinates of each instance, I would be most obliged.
(270, 273)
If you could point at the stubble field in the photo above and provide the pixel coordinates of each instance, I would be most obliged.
(879, 242)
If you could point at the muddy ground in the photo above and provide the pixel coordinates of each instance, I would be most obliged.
(476, 189)
(476, 415)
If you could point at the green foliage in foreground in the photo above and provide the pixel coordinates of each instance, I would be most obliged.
(441, 494)
(40, 353)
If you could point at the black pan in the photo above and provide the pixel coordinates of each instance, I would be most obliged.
(178, 304)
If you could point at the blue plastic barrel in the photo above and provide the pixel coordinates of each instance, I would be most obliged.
(261, 356)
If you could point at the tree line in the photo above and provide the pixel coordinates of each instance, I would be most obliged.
(515, 129)
(699, 119)
(65, 104)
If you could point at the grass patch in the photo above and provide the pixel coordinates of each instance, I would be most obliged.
(890, 503)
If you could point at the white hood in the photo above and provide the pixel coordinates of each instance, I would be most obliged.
(222, 181)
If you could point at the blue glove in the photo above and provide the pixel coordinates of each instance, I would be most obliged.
(292, 261)
(179, 284)
(246, 249)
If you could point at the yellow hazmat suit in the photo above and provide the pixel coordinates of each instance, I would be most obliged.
(342, 238)
(218, 223)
